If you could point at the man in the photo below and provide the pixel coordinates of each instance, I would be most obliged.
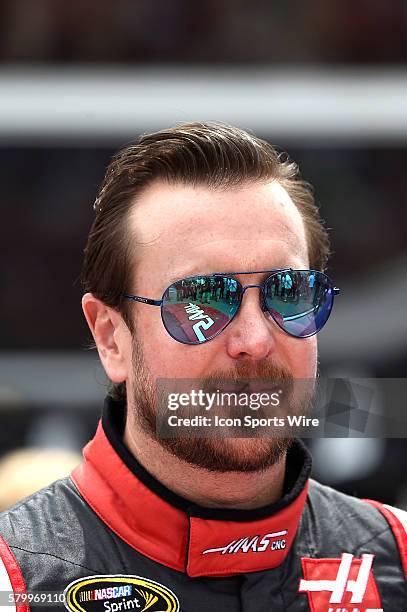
(179, 523)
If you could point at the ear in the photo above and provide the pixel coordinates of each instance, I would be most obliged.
(112, 337)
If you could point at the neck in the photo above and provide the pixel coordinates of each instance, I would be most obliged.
(240, 490)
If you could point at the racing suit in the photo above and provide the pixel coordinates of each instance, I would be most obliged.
(115, 539)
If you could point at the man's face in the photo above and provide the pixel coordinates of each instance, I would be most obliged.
(183, 231)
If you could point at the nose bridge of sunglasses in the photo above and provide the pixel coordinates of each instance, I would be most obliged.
(252, 286)
(259, 298)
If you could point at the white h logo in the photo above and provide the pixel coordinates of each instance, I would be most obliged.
(342, 583)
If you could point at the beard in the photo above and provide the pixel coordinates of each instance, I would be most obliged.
(216, 454)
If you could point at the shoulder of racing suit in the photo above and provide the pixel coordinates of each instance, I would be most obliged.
(44, 537)
(337, 519)
(334, 516)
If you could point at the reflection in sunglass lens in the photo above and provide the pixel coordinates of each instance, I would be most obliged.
(196, 309)
(300, 301)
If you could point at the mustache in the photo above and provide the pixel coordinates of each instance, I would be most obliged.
(263, 372)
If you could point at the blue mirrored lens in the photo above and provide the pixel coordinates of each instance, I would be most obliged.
(300, 301)
(196, 309)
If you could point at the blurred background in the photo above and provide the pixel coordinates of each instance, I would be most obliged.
(325, 81)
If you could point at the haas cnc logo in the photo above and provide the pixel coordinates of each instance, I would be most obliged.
(340, 585)
(255, 544)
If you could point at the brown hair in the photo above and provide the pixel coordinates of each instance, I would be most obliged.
(212, 154)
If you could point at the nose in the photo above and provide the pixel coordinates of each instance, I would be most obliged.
(252, 334)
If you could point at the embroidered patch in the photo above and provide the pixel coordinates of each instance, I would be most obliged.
(340, 585)
(119, 593)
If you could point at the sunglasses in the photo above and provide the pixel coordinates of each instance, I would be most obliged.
(196, 309)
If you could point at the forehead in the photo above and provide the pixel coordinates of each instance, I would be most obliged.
(183, 229)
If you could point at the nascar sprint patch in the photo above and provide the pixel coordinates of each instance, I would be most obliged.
(119, 593)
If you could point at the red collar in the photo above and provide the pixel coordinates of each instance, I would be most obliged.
(175, 532)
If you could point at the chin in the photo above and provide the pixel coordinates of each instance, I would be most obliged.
(243, 455)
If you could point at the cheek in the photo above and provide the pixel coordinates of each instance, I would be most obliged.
(166, 358)
(303, 357)
(154, 342)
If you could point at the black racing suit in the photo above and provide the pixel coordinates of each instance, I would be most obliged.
(315, 549)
